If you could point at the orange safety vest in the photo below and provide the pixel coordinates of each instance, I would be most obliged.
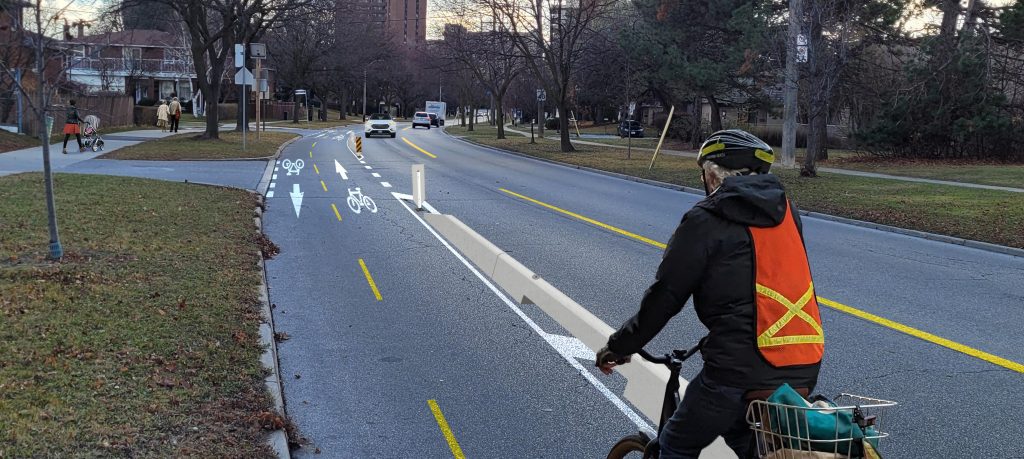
(788, 323)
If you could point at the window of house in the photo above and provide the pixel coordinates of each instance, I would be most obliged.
(752, 116)
(132, 58)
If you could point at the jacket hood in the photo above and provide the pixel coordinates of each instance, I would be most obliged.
(749, 200)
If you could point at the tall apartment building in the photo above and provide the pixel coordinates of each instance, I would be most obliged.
(403, 21)
(407, 21)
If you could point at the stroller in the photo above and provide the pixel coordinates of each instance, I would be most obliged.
(92, 139)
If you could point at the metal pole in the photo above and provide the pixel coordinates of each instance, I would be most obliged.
(364, 95)
(21, 108)
(790, 87)
(540, 118)
(245, 124)
(258, 99)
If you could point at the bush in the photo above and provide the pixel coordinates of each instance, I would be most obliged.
(144, 115)
(551, 123)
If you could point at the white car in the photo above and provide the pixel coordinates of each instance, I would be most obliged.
(379, 123)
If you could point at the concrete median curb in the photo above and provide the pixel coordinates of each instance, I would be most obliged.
(645, 381)
(277, 439)
(989, 247)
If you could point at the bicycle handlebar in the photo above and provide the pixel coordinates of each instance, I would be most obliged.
(679, 355)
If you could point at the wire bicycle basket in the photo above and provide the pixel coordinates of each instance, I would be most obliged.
(849, 427)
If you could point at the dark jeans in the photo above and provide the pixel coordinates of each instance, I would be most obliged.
(708, 410)
(77, 137)
(174, 122)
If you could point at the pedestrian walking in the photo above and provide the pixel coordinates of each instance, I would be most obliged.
(71, 120)
(175, 113)
(162, 115)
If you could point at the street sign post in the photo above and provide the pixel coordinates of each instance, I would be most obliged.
(239, 55)
(542, 95)
(244, 78)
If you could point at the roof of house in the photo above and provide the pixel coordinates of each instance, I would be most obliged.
(149, 38)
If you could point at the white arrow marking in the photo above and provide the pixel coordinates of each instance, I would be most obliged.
(296, 199)
(340, 170)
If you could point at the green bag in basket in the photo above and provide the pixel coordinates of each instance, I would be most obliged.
(827, 426)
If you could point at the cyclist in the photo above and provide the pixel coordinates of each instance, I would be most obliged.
(740, 254)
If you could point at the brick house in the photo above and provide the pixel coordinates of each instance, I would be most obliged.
(145, 64)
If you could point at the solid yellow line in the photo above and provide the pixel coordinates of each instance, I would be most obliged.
(323, 185)
(447, 431)
(418, 148)
(369, 280)
(993, 359)
(336, 213)
(317, 169)
(588, 220)
(990, 358)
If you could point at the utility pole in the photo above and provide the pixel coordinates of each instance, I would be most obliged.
(796, 11)
(364, 94)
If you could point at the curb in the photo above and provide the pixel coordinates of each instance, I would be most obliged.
(264, 184)
(277, 439)
(989, 247)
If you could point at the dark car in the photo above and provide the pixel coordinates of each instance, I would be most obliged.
(631, 129)
(421, 119)
(434, 119)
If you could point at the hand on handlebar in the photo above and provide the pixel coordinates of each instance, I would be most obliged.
(606, 360)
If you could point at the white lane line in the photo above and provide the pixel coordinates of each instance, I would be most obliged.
(368, 167)
(272, 184)
(276, 168)
(362, 162)
(274, 177)
(637, 419)
(278, 162)
(385, 184)
(375, 175)
(270, 194)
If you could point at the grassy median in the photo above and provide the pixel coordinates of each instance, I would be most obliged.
(983, 215)
(190, 146)
(143, 340)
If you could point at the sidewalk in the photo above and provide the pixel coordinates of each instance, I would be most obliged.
(31, 159)
(830, 170)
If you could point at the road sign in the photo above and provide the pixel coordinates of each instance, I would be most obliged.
(244, 76)
(632, 108)
(300, 92)
(359, 144)
(257, 50)
(263, 85)
(542, 95)
(801, 48)
(239, 56)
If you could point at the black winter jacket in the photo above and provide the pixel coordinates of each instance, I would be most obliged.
(710, 257)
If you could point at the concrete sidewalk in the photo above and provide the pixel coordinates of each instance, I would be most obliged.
(831, 170)
(31, 159)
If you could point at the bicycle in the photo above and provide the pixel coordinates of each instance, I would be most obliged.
(357, 200)
(641, 442)
(777, 431)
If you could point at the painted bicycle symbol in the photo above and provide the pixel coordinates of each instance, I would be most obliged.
(293, 167)
(356, 201)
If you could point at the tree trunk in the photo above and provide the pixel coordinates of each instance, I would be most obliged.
(716, 112)
(341, 103)
(563, 126)
(500, 116)
(472, 117)
(817, 129)
(212, 115)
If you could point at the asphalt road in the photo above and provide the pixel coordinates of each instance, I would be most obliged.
(359, 371)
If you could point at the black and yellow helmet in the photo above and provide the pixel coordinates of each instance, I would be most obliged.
(737, 149)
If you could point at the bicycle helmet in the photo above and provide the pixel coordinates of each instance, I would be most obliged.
(737, 149)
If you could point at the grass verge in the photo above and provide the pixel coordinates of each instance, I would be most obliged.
(983, 215)
(1011, 175)
(143, 341)
(10, 141)
(189, 146)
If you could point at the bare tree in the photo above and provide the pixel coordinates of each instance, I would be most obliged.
(551, 35)
(491, 57)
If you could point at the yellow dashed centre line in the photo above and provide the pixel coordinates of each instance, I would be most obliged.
(920, 334)
(336, 213)
(317, 169)
(323, 185)
(418, 148)
(588, 220)
(314, 144)
(369, 280)
(311, 154)
(453, 444)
